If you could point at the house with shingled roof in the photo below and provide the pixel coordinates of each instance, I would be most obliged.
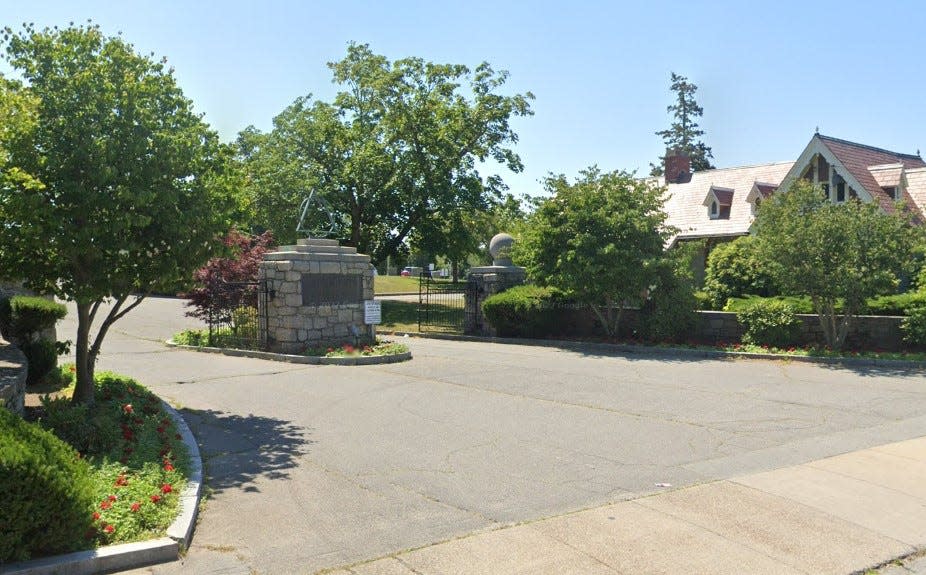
(719, 205)
(847, 170)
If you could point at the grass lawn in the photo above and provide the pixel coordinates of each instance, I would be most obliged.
(394, 284)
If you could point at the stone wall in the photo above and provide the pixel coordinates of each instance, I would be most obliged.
(340, 280)
(484, 282)
(12, 377)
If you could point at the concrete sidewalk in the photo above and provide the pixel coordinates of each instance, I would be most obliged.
(839, 515)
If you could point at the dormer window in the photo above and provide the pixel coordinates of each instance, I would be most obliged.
(718, 203)
(893, 192)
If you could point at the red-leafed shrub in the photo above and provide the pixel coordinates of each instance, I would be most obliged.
(221, 282)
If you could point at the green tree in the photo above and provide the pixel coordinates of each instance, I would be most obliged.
(684, 134)
(735, 269)
(831, 252)
(600, 239)
(126, 187)
(398, 149)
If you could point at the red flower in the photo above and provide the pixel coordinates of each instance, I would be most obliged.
(96, 515)
(166, 488)
(112, 498)
(121, 481)
(109, 529)
(160, 430)
(73, 369)
(105, 505)
(168, 467)
(127, 408)
(136, 506)
(155, 498)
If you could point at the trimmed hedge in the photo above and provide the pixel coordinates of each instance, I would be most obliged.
(524, 311)
(769, 322)
(29, 315)
(46, 492)
(914, 326)
(897, 304)
(42, 356)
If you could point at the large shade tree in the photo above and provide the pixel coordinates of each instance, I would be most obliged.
(112, 186)
(401, 145)
(600, 239)
(838, 254)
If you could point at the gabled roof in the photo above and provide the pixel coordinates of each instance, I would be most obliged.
(685, 205)
(858, 158)
(887, 175)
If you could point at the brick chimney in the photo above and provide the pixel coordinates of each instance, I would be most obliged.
(678, 167)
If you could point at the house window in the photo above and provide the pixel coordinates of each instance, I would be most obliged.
(714, 210)
(841, 192)
(892, 191)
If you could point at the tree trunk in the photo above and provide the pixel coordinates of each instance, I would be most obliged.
(455, 270)
(84, 389)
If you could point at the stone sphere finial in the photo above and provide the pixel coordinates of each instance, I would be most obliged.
(500, 247)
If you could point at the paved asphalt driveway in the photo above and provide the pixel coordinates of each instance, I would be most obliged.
(313, 467)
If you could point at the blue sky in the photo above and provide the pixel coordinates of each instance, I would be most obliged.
(768, 73)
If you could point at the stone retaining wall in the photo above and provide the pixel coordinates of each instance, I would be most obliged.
(12, 377)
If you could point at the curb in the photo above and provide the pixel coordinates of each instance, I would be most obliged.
(303, 359)
(132, 555)
(669, 351)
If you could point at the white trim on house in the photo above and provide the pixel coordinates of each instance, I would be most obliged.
(817, 147)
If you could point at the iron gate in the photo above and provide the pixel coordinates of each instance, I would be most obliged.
(238, 316)
(442, 305)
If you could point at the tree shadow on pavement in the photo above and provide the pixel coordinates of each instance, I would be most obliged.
(238, 450)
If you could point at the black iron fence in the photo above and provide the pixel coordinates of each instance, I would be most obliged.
(238, 316)
(442, 305)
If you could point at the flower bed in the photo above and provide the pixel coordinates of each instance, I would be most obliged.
(380, 348)
(138, 461)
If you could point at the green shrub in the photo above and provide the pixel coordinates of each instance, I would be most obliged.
(42, 355)
(703, 299)
(733, 270)
(523, 311)
(244, 321)
(895, 304)
(6, 318)
(798, 304)
(46, 492)
(30, 315)
(914, 326)
(769, 322)
(89, 430)
(669, 315)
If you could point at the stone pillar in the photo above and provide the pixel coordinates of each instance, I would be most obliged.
(487, 281)
(317, 291)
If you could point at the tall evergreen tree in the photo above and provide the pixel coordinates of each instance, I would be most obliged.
(684, 134)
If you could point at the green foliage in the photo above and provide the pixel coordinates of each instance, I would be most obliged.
(30, 315)
(914, 326)
(397, 151)
(192, 337)
(799, 304)
(524, 311)
(127, 187)
(42, 356)
(669, 313)
(46, 492)
(769, 322)
(684, 135)
(599, 239)
(734, 269)
(6, 318)
(897, 304)
(831, 252)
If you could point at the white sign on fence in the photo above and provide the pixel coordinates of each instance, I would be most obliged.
(372, 312)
